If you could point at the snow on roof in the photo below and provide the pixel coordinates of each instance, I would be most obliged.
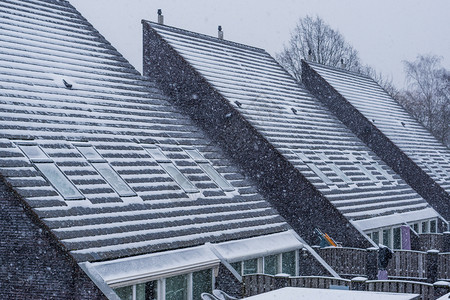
(258, 246)
(392, 120)
(62, 84)
(125, 271)
(326, 152)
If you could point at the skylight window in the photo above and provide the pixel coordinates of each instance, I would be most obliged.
(316, 170)
(335, 168)
(51, 172)
(208, 169)
(106, 171)
(171, 169)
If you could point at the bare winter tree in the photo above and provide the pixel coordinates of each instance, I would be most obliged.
(315, 38)
(427, 95)
(327, 47)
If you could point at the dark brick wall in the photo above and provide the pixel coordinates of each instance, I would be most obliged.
(294, 197)
(32, 264)
(417, 178)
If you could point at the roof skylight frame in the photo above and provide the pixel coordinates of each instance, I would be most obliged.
(171, 169)
(51, 172)
(101, 165)
(208, 168)
(312, 166)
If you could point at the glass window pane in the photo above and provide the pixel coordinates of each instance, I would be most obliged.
(376, 237)
(114, 179)
(237, 266)
(125, 293)
(147, 291)
(185, 184)
(196, 156)
(425, 227)
(157, 154)
(387, 238)
(56, 177)
(288, 263)
(176, 288)
(416, 227)
(201, 283)
(397, 238)
(369, 235)
(90, 153)
(250, 266)
(271, 264)
(214, 175)
(33, 152)
(433, 227)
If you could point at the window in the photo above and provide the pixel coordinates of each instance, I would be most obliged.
(181, 287)
(271, 264)
(177, 287)
(316, 170)
(250, 266)
(172, 170)
(208, 169)
(201, 283)
(397, 238)
(416, 227)
(335, 168)
(106, 171)
(142, 291)
(376, 237)
(51, 172)
(425, 227)
(433, 227)
(289, 263)
(387, 238)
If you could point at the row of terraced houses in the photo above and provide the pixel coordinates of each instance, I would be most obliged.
(212, 165)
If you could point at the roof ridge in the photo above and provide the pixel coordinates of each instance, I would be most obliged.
(202, 35)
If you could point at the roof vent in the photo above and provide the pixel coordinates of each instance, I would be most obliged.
(220, 32)
(67, 85)
(343, 64)
(294, 110)
(160, 17)
(239, 104)
(310, 57)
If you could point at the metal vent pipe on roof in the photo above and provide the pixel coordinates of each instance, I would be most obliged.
(160, 17)
(220, 32)
(343, 65)
(310, 57)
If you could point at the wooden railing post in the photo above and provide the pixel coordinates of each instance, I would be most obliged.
(441, 288)
(432, 265)
(372, 263)
(358, 283)
(446, 241)
(281, 281)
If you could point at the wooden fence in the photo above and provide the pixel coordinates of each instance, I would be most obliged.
(345, 261)
(408, 264)
(405, 264)
(254, 284)
(444, 266)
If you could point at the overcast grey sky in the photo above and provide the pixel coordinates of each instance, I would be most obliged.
(385, 32)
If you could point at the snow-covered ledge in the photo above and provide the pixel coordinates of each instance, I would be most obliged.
(132, 270)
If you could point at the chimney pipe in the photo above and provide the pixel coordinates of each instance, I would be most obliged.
(310, 57)
(160, 17)
(343, 65)
(220, 32)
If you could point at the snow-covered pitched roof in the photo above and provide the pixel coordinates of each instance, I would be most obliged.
(315, 142)
(395, 123)
(63, 86)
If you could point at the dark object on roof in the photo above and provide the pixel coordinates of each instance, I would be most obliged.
(411, 150)
(66, 84)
